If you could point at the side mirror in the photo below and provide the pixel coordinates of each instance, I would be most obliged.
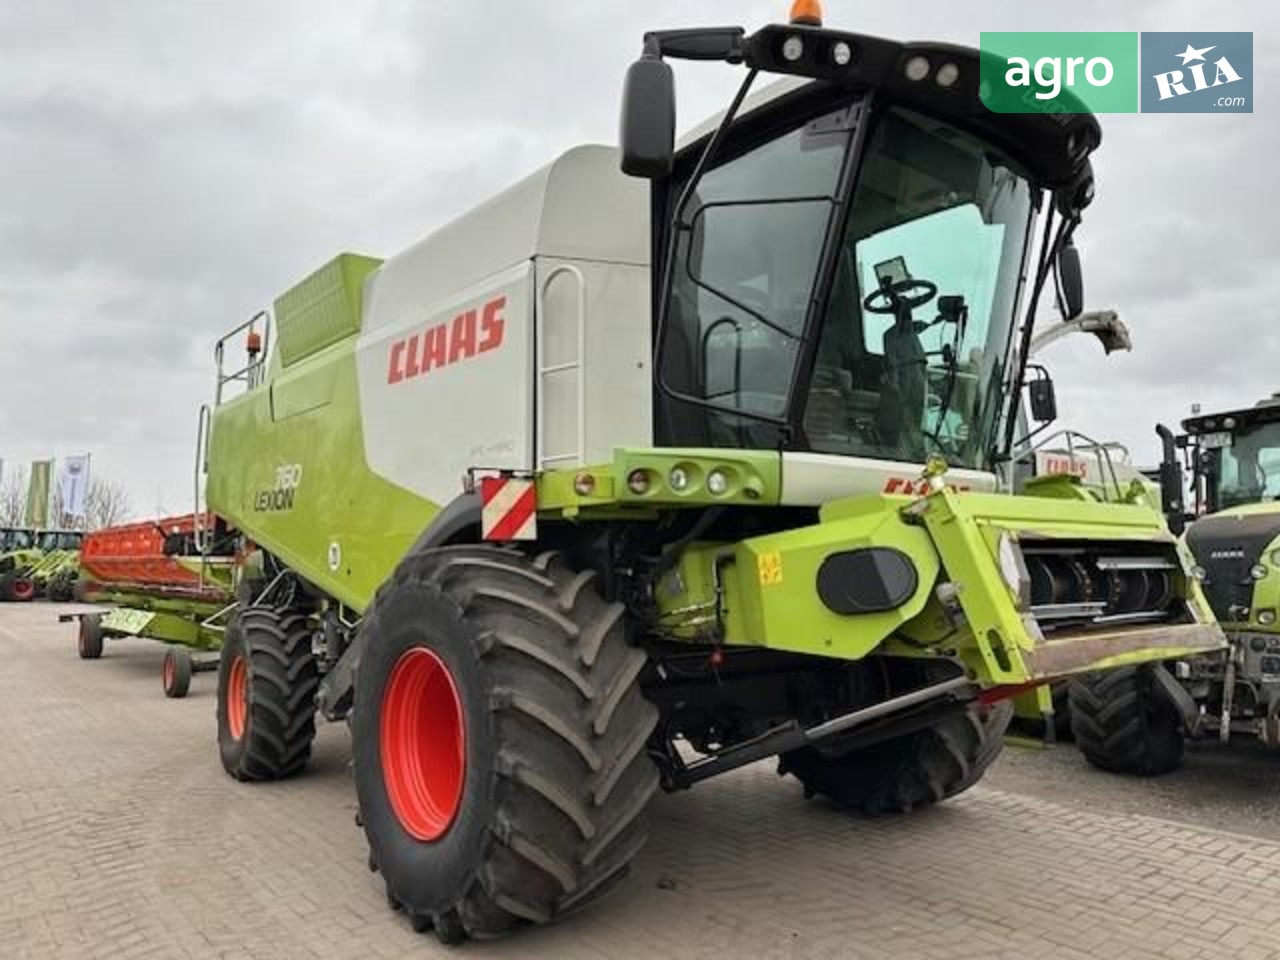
(1071, 281)
(1044, 402)
(648, 132)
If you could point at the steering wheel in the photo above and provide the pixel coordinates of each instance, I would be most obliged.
(909, 293)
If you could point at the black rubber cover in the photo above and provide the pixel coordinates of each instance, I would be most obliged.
(868, 580)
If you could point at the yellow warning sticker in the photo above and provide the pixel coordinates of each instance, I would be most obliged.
(770, 567)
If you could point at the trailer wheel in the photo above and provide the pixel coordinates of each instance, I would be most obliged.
(89, 637)
(499, 740)
(910, 771)
(176, 672)
(267, 679)
(1123, 724)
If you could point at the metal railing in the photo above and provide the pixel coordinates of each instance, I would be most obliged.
(251, 373)
(201, 467)
(544, 371)
(1077, 442)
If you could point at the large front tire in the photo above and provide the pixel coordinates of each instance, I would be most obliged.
(1123, 723)
(910, 771)
(499, 739)
(267, 679)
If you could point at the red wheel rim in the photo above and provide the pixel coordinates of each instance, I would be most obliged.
(237, 697)
(168, 672)
(423, 744)
(23, 589)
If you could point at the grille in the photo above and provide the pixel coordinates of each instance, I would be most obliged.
(1229, 588)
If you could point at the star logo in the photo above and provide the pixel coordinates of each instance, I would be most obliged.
(1191, 53)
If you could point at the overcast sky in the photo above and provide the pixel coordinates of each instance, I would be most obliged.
(167, 168)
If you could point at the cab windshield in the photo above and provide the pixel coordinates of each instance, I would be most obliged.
(908, 352)
(15, 540)
(1244, 466)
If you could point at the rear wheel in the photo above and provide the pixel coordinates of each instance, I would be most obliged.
(89, 639)
(910, 771)
(176, 672)
(1123, 724)
(499, 741)
(21, 589)
(267, 679)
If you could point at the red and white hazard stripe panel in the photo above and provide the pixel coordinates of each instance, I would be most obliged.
(508, 509)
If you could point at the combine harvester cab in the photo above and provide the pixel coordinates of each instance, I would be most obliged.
(611, 485)
(1233, 533)
(164, 580)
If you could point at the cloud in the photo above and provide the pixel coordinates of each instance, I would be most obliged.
(167, 169)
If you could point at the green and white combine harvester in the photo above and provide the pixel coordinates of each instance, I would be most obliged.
(168, 580)
(669, 460)
(1136, 720)
(38, 563)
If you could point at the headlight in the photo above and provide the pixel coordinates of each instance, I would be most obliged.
(1275, 557)
(717, 482)
(638, 482)
(1258, 571)
(841, 53)
(917, 68)
(793, 49)
(679, 479)
(584, 484)
(947, 75)
(1266, 617)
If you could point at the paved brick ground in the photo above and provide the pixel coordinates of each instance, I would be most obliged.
(121, 837)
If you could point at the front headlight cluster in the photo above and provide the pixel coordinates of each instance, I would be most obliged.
(689, 478)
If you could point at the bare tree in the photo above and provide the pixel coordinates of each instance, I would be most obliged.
(107, 504)
(13, 498)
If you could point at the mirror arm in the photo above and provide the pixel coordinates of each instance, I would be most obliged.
(727, 44)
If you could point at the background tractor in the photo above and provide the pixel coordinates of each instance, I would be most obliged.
(1136, 720)
(29, 557)
(670, 459)
(54, 576)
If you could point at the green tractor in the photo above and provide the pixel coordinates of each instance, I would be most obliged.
(1136, 720)
(19, 554)
(672, 459)
(54, 575)
(38, 563)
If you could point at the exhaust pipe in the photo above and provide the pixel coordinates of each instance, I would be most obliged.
(1171, 489)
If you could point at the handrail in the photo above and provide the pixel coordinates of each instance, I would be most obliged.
(203, 420)
(543, 458)
(1101, 450)
(247, 373)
